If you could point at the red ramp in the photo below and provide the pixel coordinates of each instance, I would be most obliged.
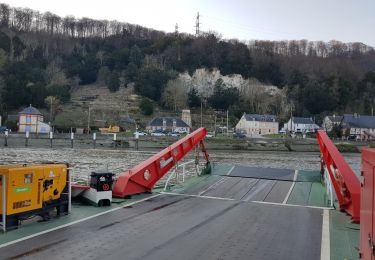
(143, 177)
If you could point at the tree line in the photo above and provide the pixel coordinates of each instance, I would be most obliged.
(42, 55)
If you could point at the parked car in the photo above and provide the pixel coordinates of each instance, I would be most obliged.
(210, 135)
(140, 133)
(239, 135)
(3, 129)
(181, 131)
(174, 134)
(158, 133)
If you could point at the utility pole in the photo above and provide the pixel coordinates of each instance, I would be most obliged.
(176, 29)
(227, 122)
(88, 121)
(215, 126)
(197, 23)
(291, 117)
(201, 113)
(50, 109)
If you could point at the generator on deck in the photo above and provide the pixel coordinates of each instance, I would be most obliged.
(29, 190)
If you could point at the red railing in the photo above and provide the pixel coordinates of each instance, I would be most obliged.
(367, 244)
(143, 177)
(345, 182)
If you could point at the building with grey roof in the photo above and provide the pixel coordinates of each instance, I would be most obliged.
(31, 120)
(361, 126)
(254, 124)
(330, 121)
(301, 125)
(169, 124)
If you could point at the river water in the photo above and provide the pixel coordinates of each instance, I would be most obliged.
(84, 161)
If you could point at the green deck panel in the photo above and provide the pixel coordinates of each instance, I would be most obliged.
(195, 182)
(309, 176)
(344, 236)
(79, 211)
(300, 193)
(318, 196)
(221, 169)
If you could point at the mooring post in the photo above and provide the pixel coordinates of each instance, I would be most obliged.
(51, 138)
(114, 140)
(72, 139)
(27, 139)
(94, 139)
(6, 138)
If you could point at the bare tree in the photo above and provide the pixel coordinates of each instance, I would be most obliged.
(175, 95)
(53, 103)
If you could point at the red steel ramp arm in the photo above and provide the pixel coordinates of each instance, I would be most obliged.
(345, 182)
(143, 177)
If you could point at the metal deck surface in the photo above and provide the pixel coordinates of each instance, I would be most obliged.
(182, 227)
(219, 216)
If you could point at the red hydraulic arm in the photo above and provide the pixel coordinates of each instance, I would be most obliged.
(143, 177)
(345, 182)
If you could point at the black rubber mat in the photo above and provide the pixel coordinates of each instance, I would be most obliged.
(262, 173)
(180, 227)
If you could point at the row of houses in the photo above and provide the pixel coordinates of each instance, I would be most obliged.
(355, 125)
(31, 120)
(360, 126)
(253, 125)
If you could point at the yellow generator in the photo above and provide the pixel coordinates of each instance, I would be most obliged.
(29, 190)
(110, 129)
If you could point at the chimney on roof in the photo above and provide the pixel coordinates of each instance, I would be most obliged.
(334, 115)
(355, 115)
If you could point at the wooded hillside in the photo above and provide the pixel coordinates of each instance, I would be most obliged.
(42, 54)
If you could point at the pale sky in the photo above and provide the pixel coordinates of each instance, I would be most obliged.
(343, 20)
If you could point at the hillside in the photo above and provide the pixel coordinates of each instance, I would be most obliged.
(72, 61)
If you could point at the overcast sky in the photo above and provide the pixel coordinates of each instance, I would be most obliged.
(344, 20)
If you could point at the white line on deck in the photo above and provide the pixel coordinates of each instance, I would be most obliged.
(197, 196)
(231, 169)
(325, 253)
(291, 187)
(212, 186)
(75, 222)
(290, 205)
(254, 201)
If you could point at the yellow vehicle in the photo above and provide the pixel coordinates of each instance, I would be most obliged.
(33, 190)
(110, 129)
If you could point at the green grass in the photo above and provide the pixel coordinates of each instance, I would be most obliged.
(275, 136)
(347, 148)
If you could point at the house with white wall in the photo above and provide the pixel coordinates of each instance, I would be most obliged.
(330, 121)
(31, 120)
(254, 124)
(301, 125)
(170, 124)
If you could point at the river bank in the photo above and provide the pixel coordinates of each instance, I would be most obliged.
(110, 141)
(84, 161)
